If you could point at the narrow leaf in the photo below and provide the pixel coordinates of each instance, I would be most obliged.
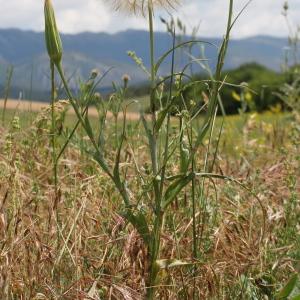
(161, 117)
(164, 56)
(174, 189)
(288, 288)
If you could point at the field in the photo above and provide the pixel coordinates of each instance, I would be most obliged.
(161, 196)
(76, 242)
(33, 107)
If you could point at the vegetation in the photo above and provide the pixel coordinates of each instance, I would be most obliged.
(178, 204)
(263, 87)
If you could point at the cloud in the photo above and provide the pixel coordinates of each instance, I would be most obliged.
(261, 17)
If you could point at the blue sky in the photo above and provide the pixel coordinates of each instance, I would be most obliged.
(261, 17)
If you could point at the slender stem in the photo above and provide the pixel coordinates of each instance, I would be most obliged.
(165, 159)
(7, 90)
(159, 213)
(152, 61)
(116, 130)
(153, 147)
(67, 141)
(154, 252)
(54, 159)
(155, 240)
(195, 244)
(195, 240)
(53, 125)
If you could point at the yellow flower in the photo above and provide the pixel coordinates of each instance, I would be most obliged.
(248, 97)
(236, 96)
(276, 109)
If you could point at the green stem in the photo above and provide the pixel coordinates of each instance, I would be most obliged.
(155, 240)
(116, 131)
(7, 90)
(166, 148)
(195, 243)
(153, 148)
(54, 158)
(152, 93)
(53, 124)
(152, 61)
(154, 254)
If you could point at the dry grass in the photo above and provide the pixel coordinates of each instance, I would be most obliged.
(35, 106)
(94, 252)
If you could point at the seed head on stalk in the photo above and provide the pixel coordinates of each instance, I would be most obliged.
(141, 6)
(52, 37)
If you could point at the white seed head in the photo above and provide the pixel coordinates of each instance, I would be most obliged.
(141, 6)
(94, 73)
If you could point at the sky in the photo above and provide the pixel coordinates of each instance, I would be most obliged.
(260, 17)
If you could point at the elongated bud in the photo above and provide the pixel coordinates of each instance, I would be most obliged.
(126, 78)
(52, 37)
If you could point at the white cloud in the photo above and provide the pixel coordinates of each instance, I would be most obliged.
(261, 17)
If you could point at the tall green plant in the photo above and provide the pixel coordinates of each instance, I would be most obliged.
(164, 184)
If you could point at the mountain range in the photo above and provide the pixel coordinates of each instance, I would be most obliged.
(25, 50)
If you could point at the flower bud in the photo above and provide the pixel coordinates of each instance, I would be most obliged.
(52, 37)
(125, 79)
(94, 74)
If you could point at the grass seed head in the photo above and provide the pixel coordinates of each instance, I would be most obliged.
(52, 37)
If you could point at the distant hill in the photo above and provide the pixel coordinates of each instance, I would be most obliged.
(85, 51)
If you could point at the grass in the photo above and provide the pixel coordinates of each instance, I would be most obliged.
(99, 246)
(160, 207)
(235, 126)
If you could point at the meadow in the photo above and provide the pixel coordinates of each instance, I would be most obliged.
(160, 197)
